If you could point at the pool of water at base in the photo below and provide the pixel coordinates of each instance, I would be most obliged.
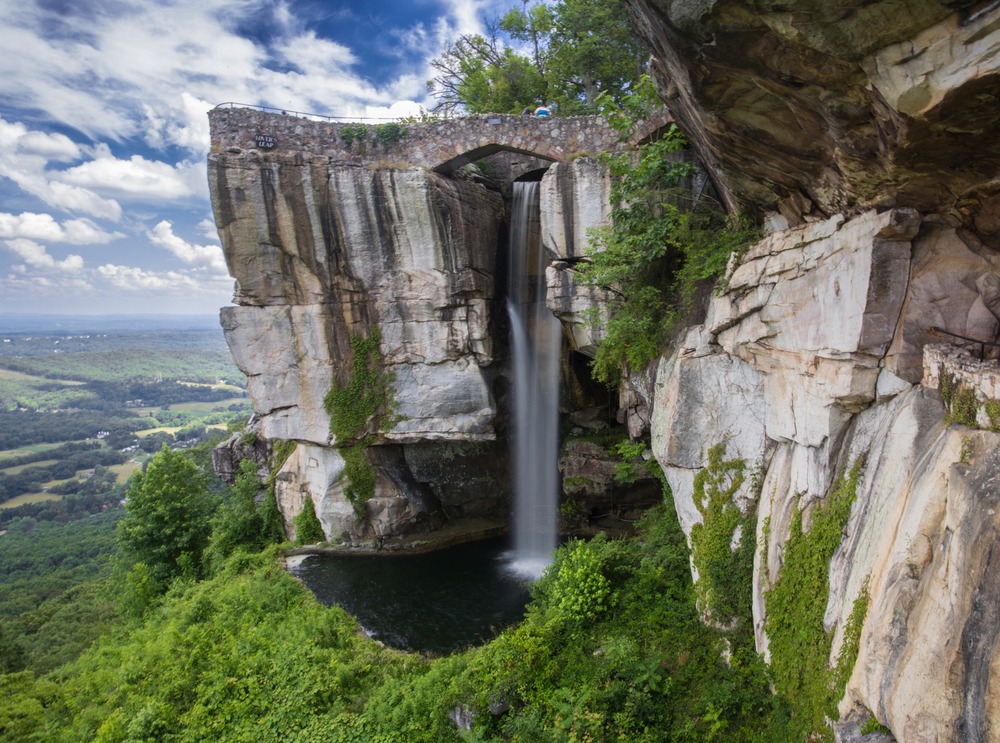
(436, 602)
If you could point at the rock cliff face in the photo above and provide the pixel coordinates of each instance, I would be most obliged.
(326, 251)
(863, 134)
(864, 131)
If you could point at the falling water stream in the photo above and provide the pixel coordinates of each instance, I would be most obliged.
(446, 600)
(536, 339)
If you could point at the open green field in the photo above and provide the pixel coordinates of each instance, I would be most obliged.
(22, 467)
(29, 498)
(10, 374)
(194, 407)
(174, 429)
(21, 451)
(124, 471)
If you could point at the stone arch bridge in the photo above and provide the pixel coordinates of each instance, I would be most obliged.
(443, 145)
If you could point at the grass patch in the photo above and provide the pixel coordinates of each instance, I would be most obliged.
(21, 467)
(23, 450)
(28, 498)
(123, 471)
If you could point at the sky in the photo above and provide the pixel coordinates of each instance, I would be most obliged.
(104, 205)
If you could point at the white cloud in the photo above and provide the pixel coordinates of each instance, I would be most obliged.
(24, 159)
(132, 278)
(208, 228)
(34, 254)
(209, 256)
(44, 227)
(135, 178)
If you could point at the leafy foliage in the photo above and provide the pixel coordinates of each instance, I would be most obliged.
(566, 53)
(388, 134)
(167, 522)
(725, 574)
(358, 410)
(799, 644)
(360, 406)
(664, 243)
(53, 600)
(308, 530)
(240, 522)
(353, 132)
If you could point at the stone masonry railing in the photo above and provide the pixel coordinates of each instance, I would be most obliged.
(442, 145)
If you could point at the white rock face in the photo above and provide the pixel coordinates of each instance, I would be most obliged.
(578, 306)
(324, 251)
(314, 472)
(283, 350)
(803, 366)
(574, 197)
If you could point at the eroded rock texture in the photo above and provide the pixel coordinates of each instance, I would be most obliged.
(825, 107)
(325, 250)
(864, 132)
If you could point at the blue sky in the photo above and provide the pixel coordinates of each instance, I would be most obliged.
(103, 130)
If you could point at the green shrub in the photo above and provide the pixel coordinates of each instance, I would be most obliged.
(799, 644)
(660, 248)
(361, 476)
(871, 725)
(725, 574)
(308, 530)
(389, 134)
(351, 132)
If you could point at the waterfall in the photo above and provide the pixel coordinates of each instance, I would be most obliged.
(536, 344)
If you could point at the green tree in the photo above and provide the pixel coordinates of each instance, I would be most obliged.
(240, 521)
(567, 53)
(666, 244)
(167, 522)
(308, 530)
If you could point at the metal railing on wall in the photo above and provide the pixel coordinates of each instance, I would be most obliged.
(305, 115)
(935, 330)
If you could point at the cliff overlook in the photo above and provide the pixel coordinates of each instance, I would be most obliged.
(834, 363)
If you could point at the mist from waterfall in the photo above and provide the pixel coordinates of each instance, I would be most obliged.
(536, 344)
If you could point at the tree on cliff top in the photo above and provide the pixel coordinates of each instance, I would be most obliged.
(567, 54)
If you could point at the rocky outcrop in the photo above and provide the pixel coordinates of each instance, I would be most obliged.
(817, 107)
(328, 248)
(861, 131)
(797, 370)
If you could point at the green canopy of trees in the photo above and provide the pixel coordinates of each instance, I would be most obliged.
(565, 54)
(167, 523)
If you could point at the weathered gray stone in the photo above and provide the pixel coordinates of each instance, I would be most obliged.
(574, 198)
(818, 107)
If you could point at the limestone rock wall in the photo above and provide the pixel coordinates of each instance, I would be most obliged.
(322, 252)
(325, 249)
(797, 370)
(863, 132)
(825, 108)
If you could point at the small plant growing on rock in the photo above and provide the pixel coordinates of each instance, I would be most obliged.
(358, 410)
(389, 134)
(351, 132)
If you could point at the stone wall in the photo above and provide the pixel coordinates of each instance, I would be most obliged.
(442, 145)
